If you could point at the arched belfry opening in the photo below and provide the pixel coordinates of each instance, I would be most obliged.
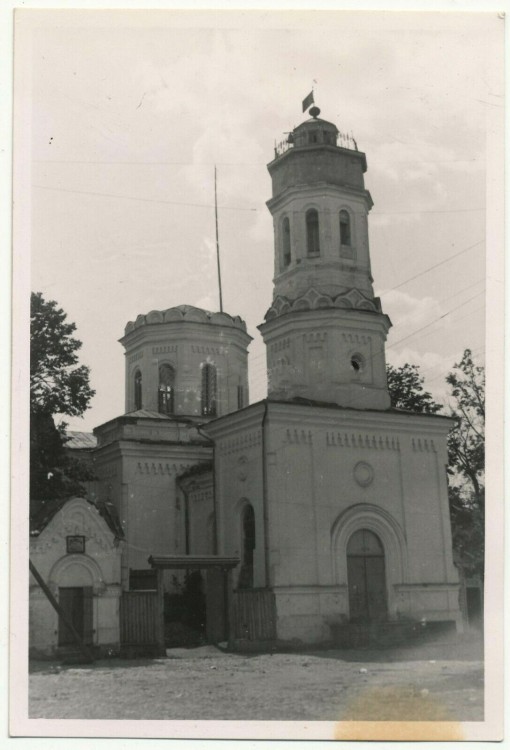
(166, 390)
(209, 390)
(138, 389)
(366, 576)
(312, 233)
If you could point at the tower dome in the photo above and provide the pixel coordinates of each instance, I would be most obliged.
(315, 131)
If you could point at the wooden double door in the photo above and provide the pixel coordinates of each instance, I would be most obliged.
(366, 577)
(76, 601)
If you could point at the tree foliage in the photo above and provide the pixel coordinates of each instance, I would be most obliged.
(406, 390)
(466, 454)
(466, 442)
(466, 449)
(58, 386)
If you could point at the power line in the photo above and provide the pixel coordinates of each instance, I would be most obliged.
(144, 200)
(238, 208)
(221, 163)
(436, 320)
(431, 268)
(429, 211)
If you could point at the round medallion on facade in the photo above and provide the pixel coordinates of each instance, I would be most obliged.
(363, 474)
(242, 468)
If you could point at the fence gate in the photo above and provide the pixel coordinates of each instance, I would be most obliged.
(139, 622)
(254, 614)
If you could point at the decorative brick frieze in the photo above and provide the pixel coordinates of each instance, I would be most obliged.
(423, 444)
(135, 357)
(168, 349)
(196, 349)
(201, 496)
(277, 346)
(233, 445)
(356, 338)
(350, 440)
(315, 336)
(158, 468)
(301, 437)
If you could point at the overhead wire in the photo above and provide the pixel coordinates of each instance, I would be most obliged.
(238, 208)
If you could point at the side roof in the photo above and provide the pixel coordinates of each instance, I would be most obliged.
(80, 440)
(41, 516)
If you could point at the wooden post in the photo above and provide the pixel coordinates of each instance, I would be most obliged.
(160, 613)
(56, 606)
(230, 608)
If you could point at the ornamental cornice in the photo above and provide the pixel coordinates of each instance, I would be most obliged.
(187, 314)
(314, 300)
(318, 189)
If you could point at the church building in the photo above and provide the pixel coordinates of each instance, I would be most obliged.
(333, 501)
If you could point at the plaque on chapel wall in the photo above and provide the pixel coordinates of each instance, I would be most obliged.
(75, 544)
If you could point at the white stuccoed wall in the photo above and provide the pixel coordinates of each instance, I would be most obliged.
(99, 568)
(329, 473)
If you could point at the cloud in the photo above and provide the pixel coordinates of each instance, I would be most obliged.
(410, 312)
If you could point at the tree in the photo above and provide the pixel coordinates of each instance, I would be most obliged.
(466, 449)
(466, 455)
(58, 386)
(406, 390)
(466, 442)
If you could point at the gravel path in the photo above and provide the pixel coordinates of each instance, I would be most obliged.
(205, 683)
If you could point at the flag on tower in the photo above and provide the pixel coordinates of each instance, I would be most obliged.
(308, 101)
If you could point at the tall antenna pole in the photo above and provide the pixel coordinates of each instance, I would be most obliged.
(217, 238)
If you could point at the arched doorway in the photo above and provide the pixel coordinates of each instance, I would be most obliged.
(366, 577)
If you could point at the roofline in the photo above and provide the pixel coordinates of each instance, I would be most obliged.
(208, 323)
(309, 403)
(128, 419)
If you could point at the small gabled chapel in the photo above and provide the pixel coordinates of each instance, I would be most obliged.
(334, 503)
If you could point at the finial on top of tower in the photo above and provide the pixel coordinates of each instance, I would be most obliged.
(315, 112)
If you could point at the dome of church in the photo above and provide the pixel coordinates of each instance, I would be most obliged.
(315, 131)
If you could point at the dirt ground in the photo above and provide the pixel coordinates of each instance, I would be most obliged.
(439, 681)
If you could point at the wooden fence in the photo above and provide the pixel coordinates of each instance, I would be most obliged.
(253, 619)
(254, 614)
(138, 621)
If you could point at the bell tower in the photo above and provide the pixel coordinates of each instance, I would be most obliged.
(325, 331)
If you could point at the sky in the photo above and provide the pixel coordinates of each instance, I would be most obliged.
(127, 113)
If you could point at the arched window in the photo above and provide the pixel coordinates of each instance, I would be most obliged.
(345, 228)
(166, 389)
(286, 242)
(138, 389)
(248, 546)
(209, 390)
(312, 232)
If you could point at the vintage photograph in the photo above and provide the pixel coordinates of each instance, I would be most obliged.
(250, 259)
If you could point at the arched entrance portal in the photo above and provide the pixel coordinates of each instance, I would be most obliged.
(366, 577)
